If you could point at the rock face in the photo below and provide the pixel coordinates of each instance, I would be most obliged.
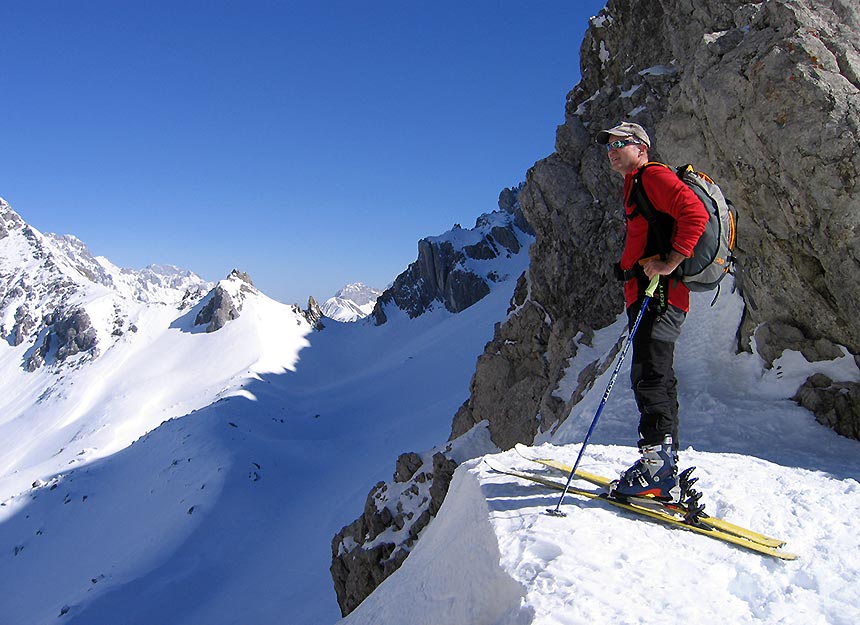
(361, 556)
(444, 270)
(763, 96)
(766, 101)
(835, 404)
(313, 313)
(226, 301)
(69, 332)
(218, 310)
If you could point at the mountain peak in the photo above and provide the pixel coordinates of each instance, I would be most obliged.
(352, 302)
(53, 293)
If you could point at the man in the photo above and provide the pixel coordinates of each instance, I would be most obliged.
(654, 246)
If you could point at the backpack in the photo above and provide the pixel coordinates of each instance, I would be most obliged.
(713, 256)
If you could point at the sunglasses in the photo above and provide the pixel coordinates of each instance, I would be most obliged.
(620, 143)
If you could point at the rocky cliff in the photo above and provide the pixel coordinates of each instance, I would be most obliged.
(763, 96)
(448, 269)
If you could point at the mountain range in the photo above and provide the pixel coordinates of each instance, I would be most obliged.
(177, 451)
(182, 452)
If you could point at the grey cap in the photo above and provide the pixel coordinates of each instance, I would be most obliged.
(624, 129)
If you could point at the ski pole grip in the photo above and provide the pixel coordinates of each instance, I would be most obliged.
(652, 286)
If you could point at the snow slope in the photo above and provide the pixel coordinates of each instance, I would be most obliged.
(263, 441)
(763, 462)
(184, 477)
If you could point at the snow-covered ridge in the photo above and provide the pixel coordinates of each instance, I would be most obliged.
(493, 556)
(165, 284)
(63, 302)
(181, 462)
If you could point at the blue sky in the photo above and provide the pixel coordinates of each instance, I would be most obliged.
(310, 144)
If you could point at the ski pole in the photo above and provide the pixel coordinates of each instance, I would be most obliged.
(649, 293)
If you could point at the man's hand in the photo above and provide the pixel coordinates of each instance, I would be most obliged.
(655, 266)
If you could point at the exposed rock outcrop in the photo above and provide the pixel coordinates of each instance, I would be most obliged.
(835, 404)
(218, 310)
(225, 303)
(69, 332)
(313, 313)
(444, 271)
(434, 276)
(371, 548)
(765, 97)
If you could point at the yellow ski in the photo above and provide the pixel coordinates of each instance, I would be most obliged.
(603, 482)
(654, 514)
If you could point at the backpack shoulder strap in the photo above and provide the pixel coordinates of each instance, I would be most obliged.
(645, 208)
(643, 204)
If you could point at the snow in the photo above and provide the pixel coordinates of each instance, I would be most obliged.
(321, 437)
(604, 55)
(636, 111)
(763, 462)
(351, 303)
(601, 21)
(185, 477)
(629, 93)
(192, 477)
(659, 70)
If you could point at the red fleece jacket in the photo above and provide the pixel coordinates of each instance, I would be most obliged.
(669, 195)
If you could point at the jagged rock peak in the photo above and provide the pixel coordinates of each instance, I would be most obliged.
(225, 303)
(313, 313)
(509, 199)
(450, 270)
(241, 275)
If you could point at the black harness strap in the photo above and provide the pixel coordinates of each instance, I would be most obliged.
(660, 228)
(660, 224)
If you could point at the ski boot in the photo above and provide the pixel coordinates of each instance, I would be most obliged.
(655, 475)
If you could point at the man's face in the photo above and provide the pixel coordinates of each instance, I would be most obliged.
(624, 158)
